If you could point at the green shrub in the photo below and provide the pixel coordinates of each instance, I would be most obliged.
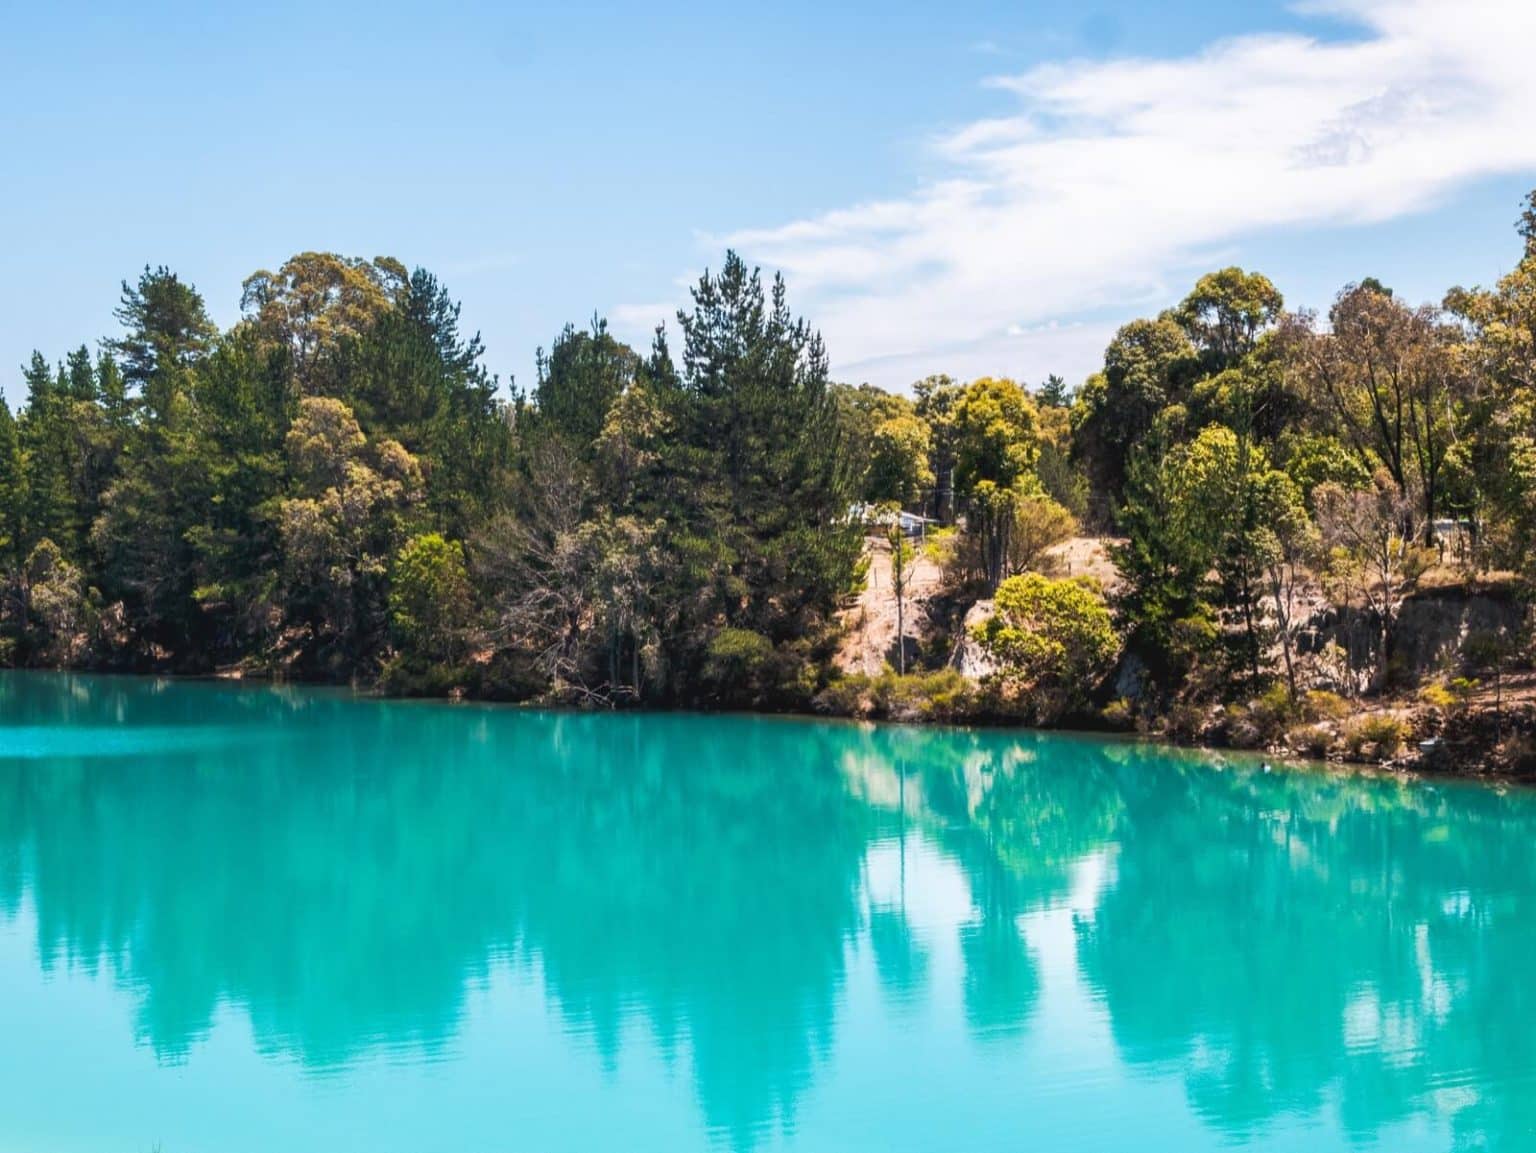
(1272, 711)
(1052, 641)
(1438, 696)
(939, 545)
(1262, 721)
(738, 666)
(412, 677)
(937, 696)
(801, 679)
(1119, 714)
(1318, 705)
(948, 696)
(846, 696)
(1184, 723)
(1377, 737)
(733, 651)
(430, 598)
(943, 696)
(1313, 740)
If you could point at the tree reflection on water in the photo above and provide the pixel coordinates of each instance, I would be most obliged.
(343, 871)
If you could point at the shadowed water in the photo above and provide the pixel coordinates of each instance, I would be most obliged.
(250, 919)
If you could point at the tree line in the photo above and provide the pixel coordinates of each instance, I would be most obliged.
(335, 487)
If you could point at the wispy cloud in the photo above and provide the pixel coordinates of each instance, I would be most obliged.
(477, 265)
(637, 320)
(1106, 177)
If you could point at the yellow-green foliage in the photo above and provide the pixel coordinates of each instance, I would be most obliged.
(737, 651)
(940, 544)
(1119, 714)
(1378, 737)
(1462, 689)
(996, 432)
(1040, 523)
(898, 460)
(1314, 740)
(1053, 636)
(429, 596)
(938, 696)
(1438, 696)
(944, 695)
(846, 696)
(1272, 711)
(1324, 706)
(738, 665)
(1263, 720)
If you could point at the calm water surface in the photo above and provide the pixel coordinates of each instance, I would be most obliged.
(248, 919)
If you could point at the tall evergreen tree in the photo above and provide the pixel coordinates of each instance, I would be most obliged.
(144, 532)
(44, 435)
(12, 491)
(80, 376)
(584, 373)
(763, 451)
(166, 330)
(413, 377)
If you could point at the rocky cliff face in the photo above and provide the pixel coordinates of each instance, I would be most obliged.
(1431, 627)
(968, 656)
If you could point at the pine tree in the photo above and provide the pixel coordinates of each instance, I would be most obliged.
(584, 373)
(166, 331)
(1054, 393)
(12, 491)
(112, 390)
(48, 511)
(763, 461)
(412, 377)
(78, 376)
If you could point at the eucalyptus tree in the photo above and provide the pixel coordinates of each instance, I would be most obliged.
(1148, 367)
(315, 302)
(995, 429)
(1390, 380)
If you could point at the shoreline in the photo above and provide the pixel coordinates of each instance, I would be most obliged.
(1416, 767)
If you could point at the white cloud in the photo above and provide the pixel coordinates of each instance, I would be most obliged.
(638, 321)
(1109, 177)
(477, 265)
(1026, 352)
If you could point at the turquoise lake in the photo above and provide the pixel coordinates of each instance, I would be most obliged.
(291, 920)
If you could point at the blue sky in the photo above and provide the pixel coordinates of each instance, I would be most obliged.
(977, 187)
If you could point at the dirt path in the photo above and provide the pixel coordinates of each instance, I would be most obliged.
(871, 639)
(1087, 556)
(870, 642)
